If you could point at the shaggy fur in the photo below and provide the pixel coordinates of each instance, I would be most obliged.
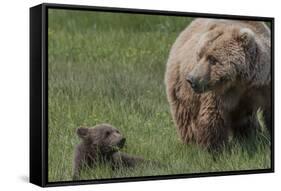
(101, 144)
(217, 76)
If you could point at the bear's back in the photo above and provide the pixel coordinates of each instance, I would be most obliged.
(200, 26)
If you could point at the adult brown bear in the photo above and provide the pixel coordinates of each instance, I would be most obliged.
(218, 75)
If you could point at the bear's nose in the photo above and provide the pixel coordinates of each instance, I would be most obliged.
(191, 81)
(122, 142)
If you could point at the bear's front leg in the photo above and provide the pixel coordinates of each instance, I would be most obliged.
(245, 126)
(126, 160)
(211, 129)
(77, 163)
(265, 96)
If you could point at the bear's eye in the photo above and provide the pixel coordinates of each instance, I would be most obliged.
(107, 133)
(212, 60)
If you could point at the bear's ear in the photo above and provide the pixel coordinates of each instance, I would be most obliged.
(82, 132)
(246, 36)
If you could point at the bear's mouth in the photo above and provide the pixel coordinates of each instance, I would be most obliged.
(121, 143)
(198, 85)
(199, 89)
(117, 145)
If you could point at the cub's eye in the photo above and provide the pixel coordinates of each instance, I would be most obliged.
(212, 60)
(107, 133)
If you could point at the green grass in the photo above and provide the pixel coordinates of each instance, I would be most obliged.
(106, 67)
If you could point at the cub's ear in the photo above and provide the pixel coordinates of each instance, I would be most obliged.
(82, 132)
(246, 36)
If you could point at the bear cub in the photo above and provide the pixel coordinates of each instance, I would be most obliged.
(101, 143)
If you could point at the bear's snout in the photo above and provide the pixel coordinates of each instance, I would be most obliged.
(121, 143)
(197, 85)
(191, 80)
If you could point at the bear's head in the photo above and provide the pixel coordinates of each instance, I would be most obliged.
(223, 56)
(103, 138)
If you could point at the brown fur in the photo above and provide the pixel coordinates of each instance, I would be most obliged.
(217, 76)
(101, 144)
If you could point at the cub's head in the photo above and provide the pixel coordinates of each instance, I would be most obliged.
(103, 137)
(223, 56)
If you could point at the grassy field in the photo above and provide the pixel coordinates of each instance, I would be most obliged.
(110, 68)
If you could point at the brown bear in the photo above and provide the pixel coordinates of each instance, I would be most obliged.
(101, 144)
(218, 75)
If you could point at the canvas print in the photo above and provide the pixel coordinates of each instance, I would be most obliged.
(142, 95)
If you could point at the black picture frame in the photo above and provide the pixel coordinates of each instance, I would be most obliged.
(39, 93)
